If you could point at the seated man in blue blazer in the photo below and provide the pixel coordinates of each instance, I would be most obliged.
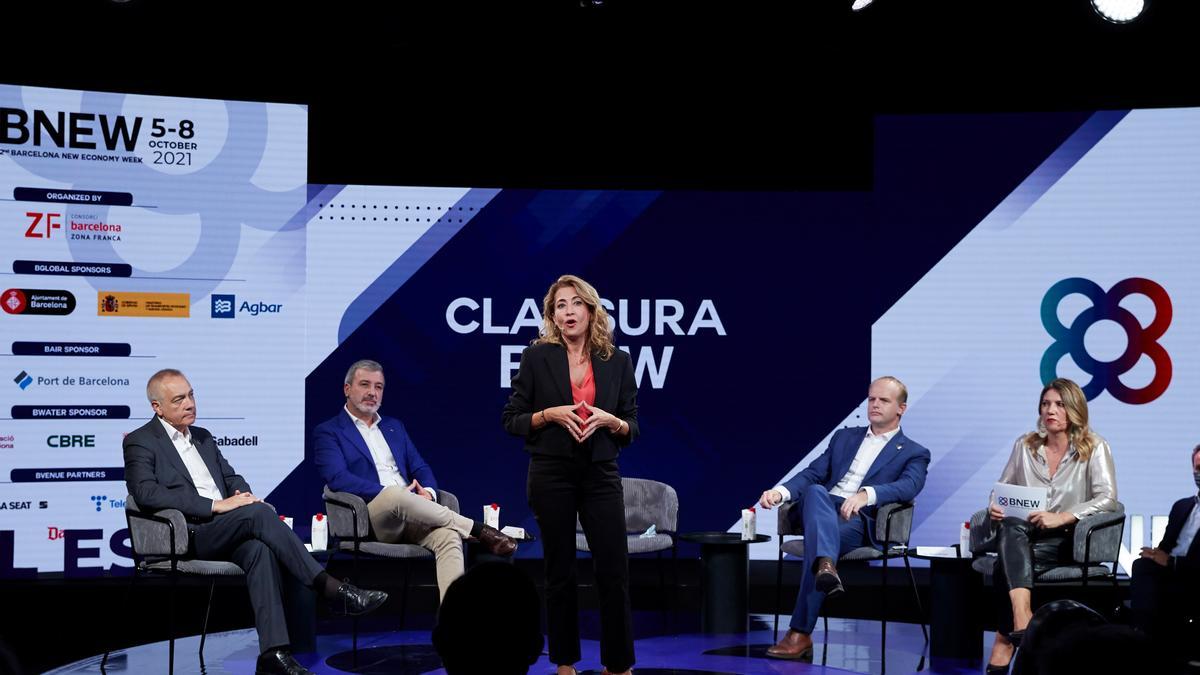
(1166, 579)
(360, 452)
(839, 494)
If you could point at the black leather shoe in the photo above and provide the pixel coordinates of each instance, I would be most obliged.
(993, 669)
(279, 662)
(354, 601)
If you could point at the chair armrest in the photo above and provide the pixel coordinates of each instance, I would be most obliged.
(784, 526)
(348, 515)
(163, 533)
(1098, 537)
(983, 533)
(893, 523)
(448, 500)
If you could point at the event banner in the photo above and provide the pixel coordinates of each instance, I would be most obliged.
(1084, 270)
(140, 233)
(992, 254)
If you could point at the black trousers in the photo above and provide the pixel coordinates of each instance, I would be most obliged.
(253, 538)
(558, 489)
(1025, 549)
(1160, 599)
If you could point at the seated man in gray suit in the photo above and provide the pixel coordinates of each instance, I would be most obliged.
(170, 464)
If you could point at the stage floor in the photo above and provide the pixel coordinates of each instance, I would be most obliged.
(853, 647)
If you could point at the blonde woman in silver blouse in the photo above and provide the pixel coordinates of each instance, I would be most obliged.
(1075, 465)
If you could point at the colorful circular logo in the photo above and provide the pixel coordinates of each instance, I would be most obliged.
(1106, 375)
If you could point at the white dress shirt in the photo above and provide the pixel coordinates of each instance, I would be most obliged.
(381, 452)
(1188, 533)
(868, 451)
(196, 467)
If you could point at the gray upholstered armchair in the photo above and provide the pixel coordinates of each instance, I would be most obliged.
(350, 531)
(1097, 541)
(893, 525)
(647, 502)
(159, 541)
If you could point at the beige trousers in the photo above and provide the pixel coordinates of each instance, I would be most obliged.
(402, 517)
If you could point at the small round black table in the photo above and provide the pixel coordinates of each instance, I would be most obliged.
(955, 591)
(724, 579)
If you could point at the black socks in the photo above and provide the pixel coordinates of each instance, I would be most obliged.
(326, 585)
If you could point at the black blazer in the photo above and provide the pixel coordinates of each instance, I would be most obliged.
(158, 479)
(1179, 515)
(544, 381)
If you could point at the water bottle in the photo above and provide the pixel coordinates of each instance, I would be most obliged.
(320, 532)
(749, 526)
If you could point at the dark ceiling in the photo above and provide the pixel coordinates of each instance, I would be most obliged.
(633, 93)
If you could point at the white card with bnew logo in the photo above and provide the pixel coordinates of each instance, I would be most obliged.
(1019, 501)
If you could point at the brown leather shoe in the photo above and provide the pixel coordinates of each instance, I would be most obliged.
(794, 645)
(828, 581)
(497, 542)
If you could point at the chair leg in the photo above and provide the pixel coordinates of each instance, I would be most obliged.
(404, 592)
(917, 597)
(883, 618)
(354, 619)
(675, 585)
(662, 590)
(128, 603)
(778, 593)
(825, 639)
(207, 610)
(171, 623)
(1116, 604)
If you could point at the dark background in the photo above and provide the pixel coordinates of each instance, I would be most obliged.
(678, 95)
(631, 94)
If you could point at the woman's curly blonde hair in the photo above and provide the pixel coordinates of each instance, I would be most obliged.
(1075, 403)
(600, 337)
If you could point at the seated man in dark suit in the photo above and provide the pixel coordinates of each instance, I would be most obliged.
(1166, 579)
(861, 469)
(467, 638)
(360, 452)
(170, 464)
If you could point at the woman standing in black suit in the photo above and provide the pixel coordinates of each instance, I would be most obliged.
(574, 401)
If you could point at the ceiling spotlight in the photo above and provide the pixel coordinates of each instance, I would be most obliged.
(1119, 11)
(860, 4)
